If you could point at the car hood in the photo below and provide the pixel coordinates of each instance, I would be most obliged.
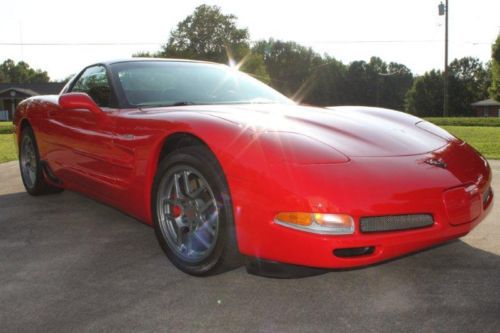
(354, 131)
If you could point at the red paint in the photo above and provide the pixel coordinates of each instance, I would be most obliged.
(277, 158)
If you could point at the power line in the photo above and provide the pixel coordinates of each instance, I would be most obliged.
(77, 43)
(133, 43)
(390, 42)
(370, 41)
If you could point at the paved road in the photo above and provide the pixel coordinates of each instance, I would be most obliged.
(69, 264)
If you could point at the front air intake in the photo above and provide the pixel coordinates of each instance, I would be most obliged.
(395, 222)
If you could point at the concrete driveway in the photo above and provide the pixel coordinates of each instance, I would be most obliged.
(69, 264)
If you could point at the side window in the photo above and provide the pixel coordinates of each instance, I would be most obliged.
(94, 82)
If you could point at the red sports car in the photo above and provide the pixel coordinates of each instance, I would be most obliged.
(223, 166)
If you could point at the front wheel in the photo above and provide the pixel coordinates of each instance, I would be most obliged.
(192, 210)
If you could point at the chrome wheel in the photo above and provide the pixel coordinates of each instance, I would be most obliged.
(188, 213)
(28, 161)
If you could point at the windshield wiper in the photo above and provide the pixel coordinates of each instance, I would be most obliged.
(161, 105)
(181, 103)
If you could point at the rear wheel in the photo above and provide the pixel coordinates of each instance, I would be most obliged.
(30, 166)
(193, 212)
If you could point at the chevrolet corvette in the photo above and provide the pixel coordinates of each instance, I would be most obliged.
(224, 167)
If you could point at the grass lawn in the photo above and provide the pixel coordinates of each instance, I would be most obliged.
(484, 139)
(465, 121)
(7, 148)
(6, 127)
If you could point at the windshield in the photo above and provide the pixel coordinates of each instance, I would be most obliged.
(162, 83)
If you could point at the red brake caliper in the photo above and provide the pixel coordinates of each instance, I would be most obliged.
(176, 211)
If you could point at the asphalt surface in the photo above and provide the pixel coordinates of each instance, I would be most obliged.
(69, 264)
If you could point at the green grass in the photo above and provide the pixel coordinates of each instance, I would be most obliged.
(485, 139)
(6, 127)
(7, 148)
(465, 121)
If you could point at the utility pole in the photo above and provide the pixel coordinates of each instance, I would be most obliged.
(444, 10)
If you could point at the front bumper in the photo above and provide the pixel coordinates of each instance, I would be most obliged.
(309, 250)
(365, 187)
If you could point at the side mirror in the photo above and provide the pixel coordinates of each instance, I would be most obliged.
(77, 100)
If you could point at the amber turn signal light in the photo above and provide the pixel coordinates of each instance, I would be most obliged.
(319, 223)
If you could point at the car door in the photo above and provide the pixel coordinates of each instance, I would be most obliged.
(85, 139)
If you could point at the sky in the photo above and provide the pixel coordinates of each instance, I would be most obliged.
(405, 31)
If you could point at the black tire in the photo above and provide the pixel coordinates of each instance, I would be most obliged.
(33, 179)
(224, 254)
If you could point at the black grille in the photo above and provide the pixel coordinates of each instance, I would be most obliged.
(395, 222)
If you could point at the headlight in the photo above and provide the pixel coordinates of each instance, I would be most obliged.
(326, 224)
(284, 147)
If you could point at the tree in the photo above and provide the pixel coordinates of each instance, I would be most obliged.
(394, 85)
(21, 73)
(377, 83)
(144, 54)
(468, 84)
(299, 72)
(468, 80)
(291, 67)
(3, 77)
(361, 83)
(425, 97)
(66, 79)
(253, 63)
(329, 83)
(208, 34)
(494, 90)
